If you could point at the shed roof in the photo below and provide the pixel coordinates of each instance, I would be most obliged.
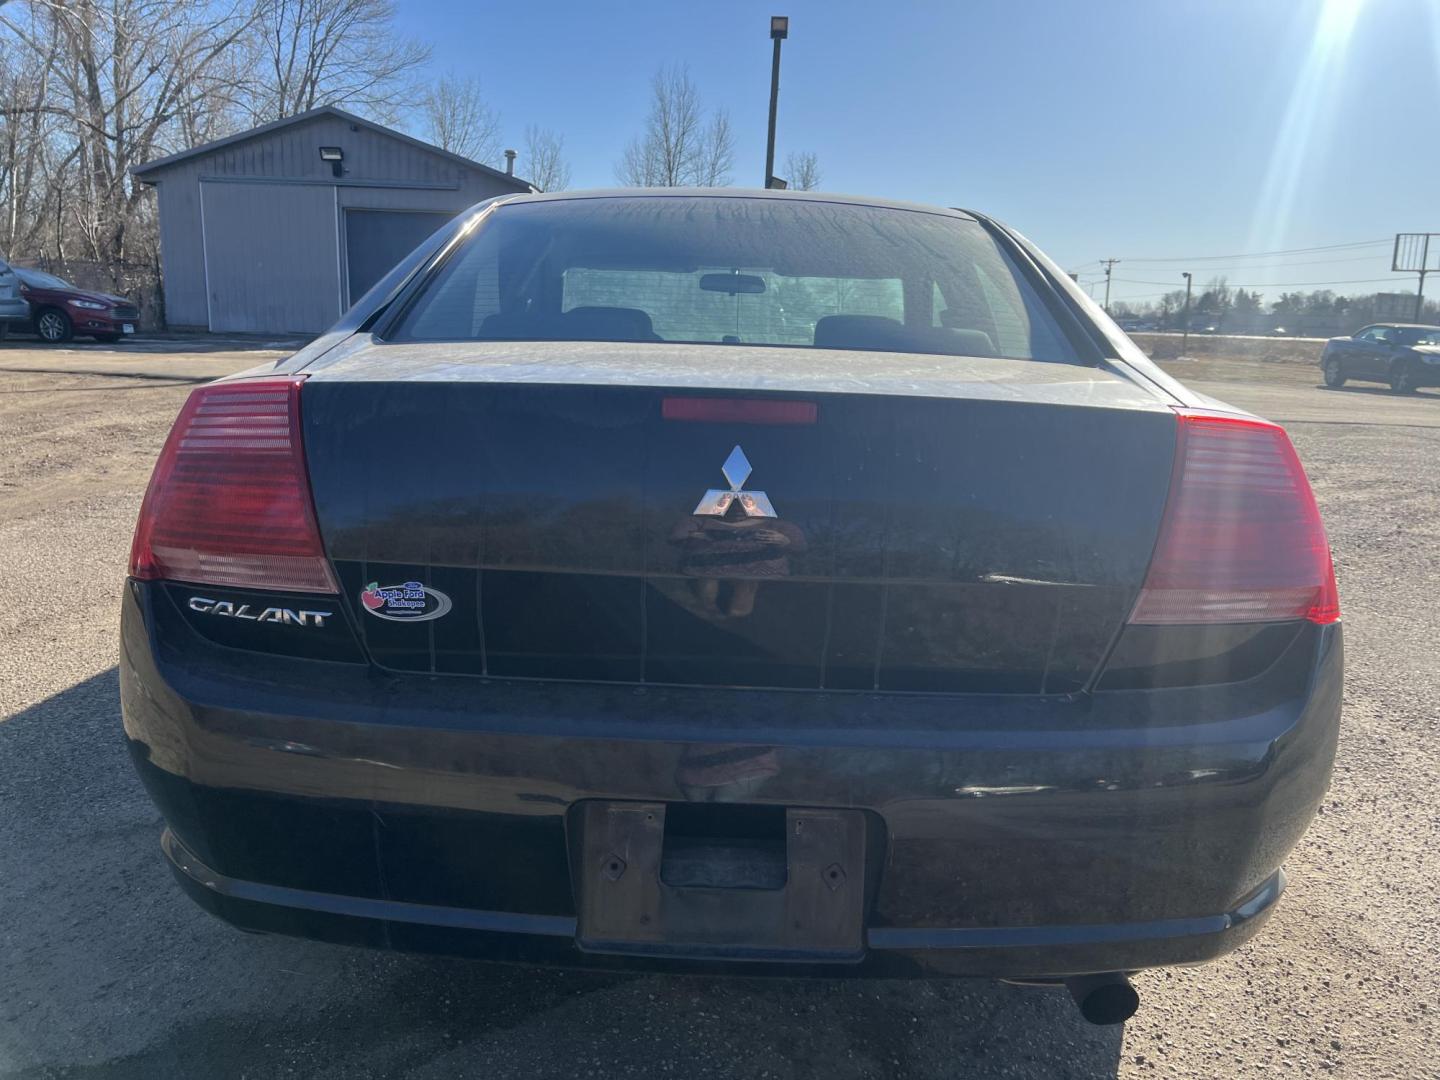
(146, 173)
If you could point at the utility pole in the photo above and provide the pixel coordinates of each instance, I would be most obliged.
(779, 31)
(1185, 319)
(1108, 264)
(1420, 288)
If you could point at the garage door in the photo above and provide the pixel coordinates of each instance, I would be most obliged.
(375, 240)
(271, 256)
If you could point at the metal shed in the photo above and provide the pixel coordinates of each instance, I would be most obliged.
(280, 228)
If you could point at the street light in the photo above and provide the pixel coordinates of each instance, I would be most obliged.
(779, 31)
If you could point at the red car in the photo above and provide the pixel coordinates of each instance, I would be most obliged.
(60, 311)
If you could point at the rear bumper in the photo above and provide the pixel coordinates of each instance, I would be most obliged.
(1017, 837)
(1005, 951)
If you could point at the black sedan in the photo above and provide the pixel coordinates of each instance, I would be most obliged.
(733, 582)
(1405, 355)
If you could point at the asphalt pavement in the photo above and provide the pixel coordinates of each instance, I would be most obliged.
(107, 971)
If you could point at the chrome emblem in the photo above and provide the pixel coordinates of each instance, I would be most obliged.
(288, 616)
(752, 503)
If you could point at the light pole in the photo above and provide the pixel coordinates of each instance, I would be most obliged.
(779, 31)
(1185, 320)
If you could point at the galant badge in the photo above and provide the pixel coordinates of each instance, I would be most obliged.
(752, 503)
(287, 616)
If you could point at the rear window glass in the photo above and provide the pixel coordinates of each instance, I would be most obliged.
(718, 270)
(681, 308)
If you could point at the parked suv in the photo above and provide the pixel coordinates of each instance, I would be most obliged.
(59, 311)
(1405, 355)
(13, 308)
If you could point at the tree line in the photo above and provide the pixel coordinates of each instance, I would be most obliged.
(91, 88)
(1218, 302)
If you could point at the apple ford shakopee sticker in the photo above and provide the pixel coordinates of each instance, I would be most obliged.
(408, 602)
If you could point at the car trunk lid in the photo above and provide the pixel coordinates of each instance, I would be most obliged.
(941, 524)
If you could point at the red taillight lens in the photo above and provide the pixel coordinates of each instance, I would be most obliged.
(229, 502)
(1241, 540)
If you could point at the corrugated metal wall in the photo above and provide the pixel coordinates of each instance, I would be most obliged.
(283, 276)
(182, 251)
(381, 172)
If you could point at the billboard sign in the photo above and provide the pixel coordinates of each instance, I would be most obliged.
(1416, 252)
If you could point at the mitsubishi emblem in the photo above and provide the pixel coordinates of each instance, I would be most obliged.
(736, 471)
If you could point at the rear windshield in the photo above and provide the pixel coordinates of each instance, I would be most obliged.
(737, 271)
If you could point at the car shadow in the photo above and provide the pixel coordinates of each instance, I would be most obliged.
(1383, 391)
(162, 344)
(108, 971)
(121, 380)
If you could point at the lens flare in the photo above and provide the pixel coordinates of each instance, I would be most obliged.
(1312, 100)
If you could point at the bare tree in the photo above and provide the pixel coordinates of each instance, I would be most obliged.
(219, 106)
(114, 79)
(458, 119)
(332, 52)
(545, 166)
(25, 146)
(717, 152)
(802, 171)
(679, 147)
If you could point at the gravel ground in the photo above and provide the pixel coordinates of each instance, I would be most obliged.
(106, 971)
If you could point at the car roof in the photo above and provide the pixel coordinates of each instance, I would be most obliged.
(1403, 325)
(734, 193)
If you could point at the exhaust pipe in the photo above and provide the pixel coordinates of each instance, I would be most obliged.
(1106, 998)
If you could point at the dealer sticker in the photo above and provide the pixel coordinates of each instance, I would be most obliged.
(410, 602)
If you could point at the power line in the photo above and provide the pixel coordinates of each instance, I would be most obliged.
(1263, 254)
(1272, 284)
(1276, 266)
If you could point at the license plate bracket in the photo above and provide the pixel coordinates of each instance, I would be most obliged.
(626, 906)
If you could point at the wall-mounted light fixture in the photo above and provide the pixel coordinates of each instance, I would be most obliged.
(335, 156)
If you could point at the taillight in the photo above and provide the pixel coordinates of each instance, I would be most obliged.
(229, 502)
(1241, 539)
